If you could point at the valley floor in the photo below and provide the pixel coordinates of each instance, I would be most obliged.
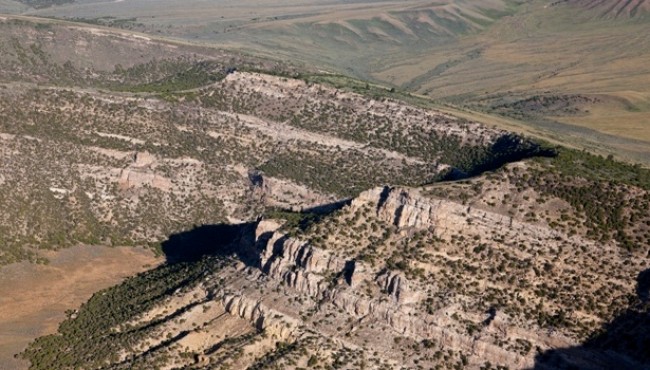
(33, 298)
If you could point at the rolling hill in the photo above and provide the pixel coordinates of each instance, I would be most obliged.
(613, 9)
(308, 219)
(475, 56)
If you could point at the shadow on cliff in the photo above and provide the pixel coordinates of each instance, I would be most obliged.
(506, 149)
(211, 240)
(234, 240)
(326, 209)
(624, 343)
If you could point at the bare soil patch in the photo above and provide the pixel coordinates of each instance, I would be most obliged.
(34, 298)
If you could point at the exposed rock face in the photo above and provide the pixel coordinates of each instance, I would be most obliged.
(397, 286)
(328, 278)
(382, 298)
(282, 193)
(394, 279)
(310, 271)
(273, 322)
(407, 209)
(141, 173)
(399, 278)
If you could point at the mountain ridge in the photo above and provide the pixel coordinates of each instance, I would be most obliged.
(313, 220)
(608, 9)
(295, 283)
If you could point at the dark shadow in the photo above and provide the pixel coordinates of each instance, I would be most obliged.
(256, 178)
(348, 271)
(624, 343)
(326, 209)
(383, 197)
(453, 174)
(235, 240)
(512, 148)
(211, 240)
(492, 314)
(506, 149)
(643, 287)
(398, 215)
(277, 253)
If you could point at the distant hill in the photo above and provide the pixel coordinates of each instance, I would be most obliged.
(482, 57)
(312, 220)
(613, 9)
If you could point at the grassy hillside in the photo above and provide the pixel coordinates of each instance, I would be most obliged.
(544, 244)
(612, 9)
(102, 149)
(484, 56)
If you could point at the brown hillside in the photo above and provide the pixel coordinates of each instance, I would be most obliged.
(615, 9)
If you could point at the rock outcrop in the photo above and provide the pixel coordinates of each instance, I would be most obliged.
(330, 277)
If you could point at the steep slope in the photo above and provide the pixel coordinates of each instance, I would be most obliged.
(400, 277)
(175, 137)
(532, 253)
(613, 9)
(475, 55)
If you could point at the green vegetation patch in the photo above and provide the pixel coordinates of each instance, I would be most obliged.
(599, 168)
(176, 76)
(89, 338)
(40, 4)
(611, 196)
(293, 220)
(345, 174)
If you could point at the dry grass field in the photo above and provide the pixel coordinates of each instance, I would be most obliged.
(468, 55)
(33, 298)
(159, 147)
